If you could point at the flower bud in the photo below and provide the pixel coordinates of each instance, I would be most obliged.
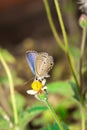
(83, 21)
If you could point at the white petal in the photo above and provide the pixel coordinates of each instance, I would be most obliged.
(43, 82)
(36, 96)
(44, 88)
(31, 92)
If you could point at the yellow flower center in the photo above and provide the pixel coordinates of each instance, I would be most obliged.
(36, 85)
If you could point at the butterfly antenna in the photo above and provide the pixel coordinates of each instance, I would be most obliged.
(28, 81)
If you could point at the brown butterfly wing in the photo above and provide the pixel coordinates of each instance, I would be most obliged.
(43, 64)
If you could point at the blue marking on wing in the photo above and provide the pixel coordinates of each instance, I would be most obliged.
(31, 57)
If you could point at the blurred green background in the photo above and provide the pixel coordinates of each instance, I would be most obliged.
(24, 26)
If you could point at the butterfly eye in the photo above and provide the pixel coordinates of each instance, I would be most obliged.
(51, 64)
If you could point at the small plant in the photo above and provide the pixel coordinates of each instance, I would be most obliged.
(15, 117)
(77, 84)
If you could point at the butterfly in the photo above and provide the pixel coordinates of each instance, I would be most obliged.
(40, 63)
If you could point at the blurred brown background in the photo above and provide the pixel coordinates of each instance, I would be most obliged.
(21, 19)
(24, 26)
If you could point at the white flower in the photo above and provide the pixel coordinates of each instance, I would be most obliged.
(83, 6)
(33, 92)
(37, 87)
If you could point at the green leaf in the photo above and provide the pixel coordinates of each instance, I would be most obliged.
(69, 7)
(65, 126)
(62, 111)
(3, 80)
(16, 79)
(74, 51)
(20, 101)
(2, 112)
(4, 125)
(55, 127)
(29, 114)
(84, 69)
(63, 107)
(7, 56)
(36, 109)
(51, 127)
(65, 88)
(75, 90)
(61, 87)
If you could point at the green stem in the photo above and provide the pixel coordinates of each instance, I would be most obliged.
(73, 69)
(54, 114)
(83, 41)
(11, 88)
(83, 121)
(81, 57)
(72, 66)
(52, 26)
(57, 36)
(61, 23)
(6, 117)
